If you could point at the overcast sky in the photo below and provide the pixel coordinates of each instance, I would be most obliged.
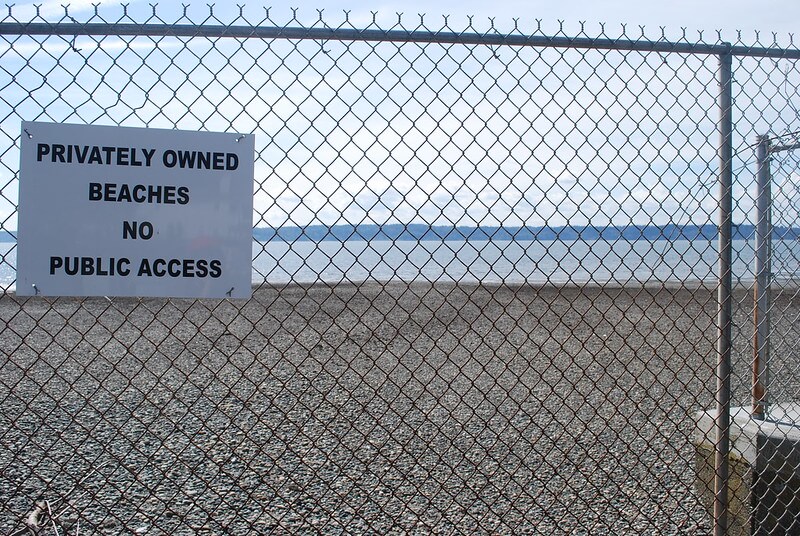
(633, 135)
(767, 16)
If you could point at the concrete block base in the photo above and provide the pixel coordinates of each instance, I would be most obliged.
(764, 470)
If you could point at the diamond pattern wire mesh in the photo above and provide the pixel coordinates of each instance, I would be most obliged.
(775, 504)
(771, 86)
(785, 257)
(484, 289)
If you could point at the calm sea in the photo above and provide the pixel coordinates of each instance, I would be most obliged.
(579, 261)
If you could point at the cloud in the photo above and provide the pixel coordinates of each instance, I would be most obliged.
(440, 133)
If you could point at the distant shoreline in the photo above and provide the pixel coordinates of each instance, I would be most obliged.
(422, 232)
(538, 263)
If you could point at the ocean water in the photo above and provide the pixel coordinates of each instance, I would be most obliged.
(559, 262)
(513, 262)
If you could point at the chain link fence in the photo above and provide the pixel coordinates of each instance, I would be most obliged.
(485, 267)
(773, 454)
(785, 272)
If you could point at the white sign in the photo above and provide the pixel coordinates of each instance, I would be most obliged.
(110, 211)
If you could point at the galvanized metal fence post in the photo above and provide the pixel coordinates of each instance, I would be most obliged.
(761, 298)
(724, 317)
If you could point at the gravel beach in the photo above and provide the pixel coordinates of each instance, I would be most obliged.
(373, 408)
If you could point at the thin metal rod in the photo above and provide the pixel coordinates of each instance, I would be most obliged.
(779, 148)
(724, 316)
(349, 34)
(761, 291)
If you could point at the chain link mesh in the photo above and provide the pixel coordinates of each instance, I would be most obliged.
(785, 257)
(484, 287)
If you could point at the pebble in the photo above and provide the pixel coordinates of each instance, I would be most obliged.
(451, 429)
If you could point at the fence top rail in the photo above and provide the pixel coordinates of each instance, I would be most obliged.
(348, 34)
